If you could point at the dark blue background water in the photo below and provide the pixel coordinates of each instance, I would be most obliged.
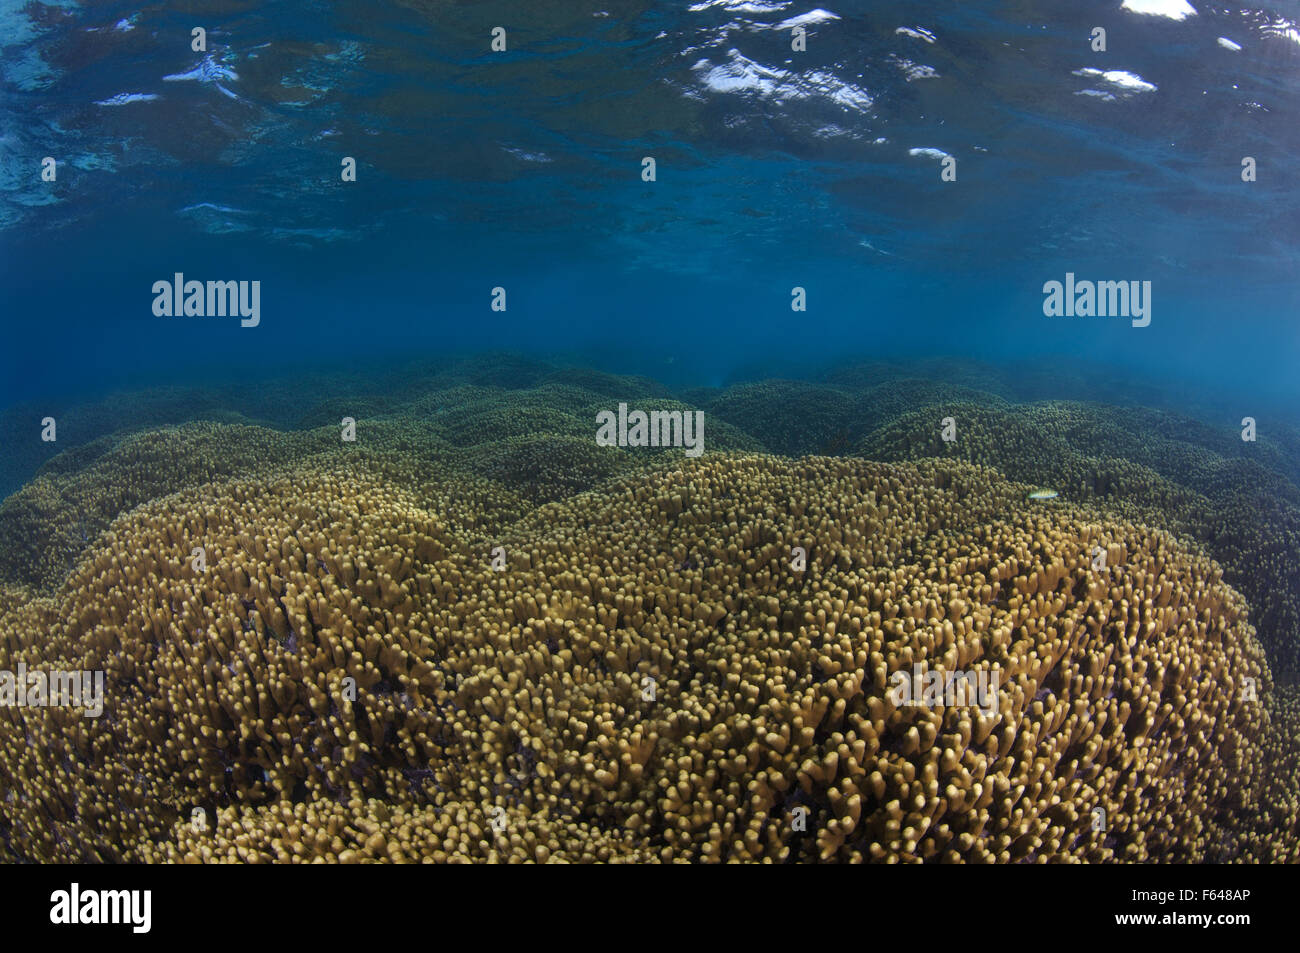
(522, 169)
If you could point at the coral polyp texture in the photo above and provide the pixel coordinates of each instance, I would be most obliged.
(533, 649)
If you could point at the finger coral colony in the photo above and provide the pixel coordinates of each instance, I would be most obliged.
(501, 641)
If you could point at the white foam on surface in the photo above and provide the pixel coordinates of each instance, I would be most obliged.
(1172, 9)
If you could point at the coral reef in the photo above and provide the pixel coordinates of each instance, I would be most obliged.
(475, 635)
(1153, 467)
(504, 715)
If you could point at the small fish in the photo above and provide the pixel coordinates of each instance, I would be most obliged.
(1043, 495)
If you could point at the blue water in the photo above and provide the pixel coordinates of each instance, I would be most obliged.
(522, 169)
